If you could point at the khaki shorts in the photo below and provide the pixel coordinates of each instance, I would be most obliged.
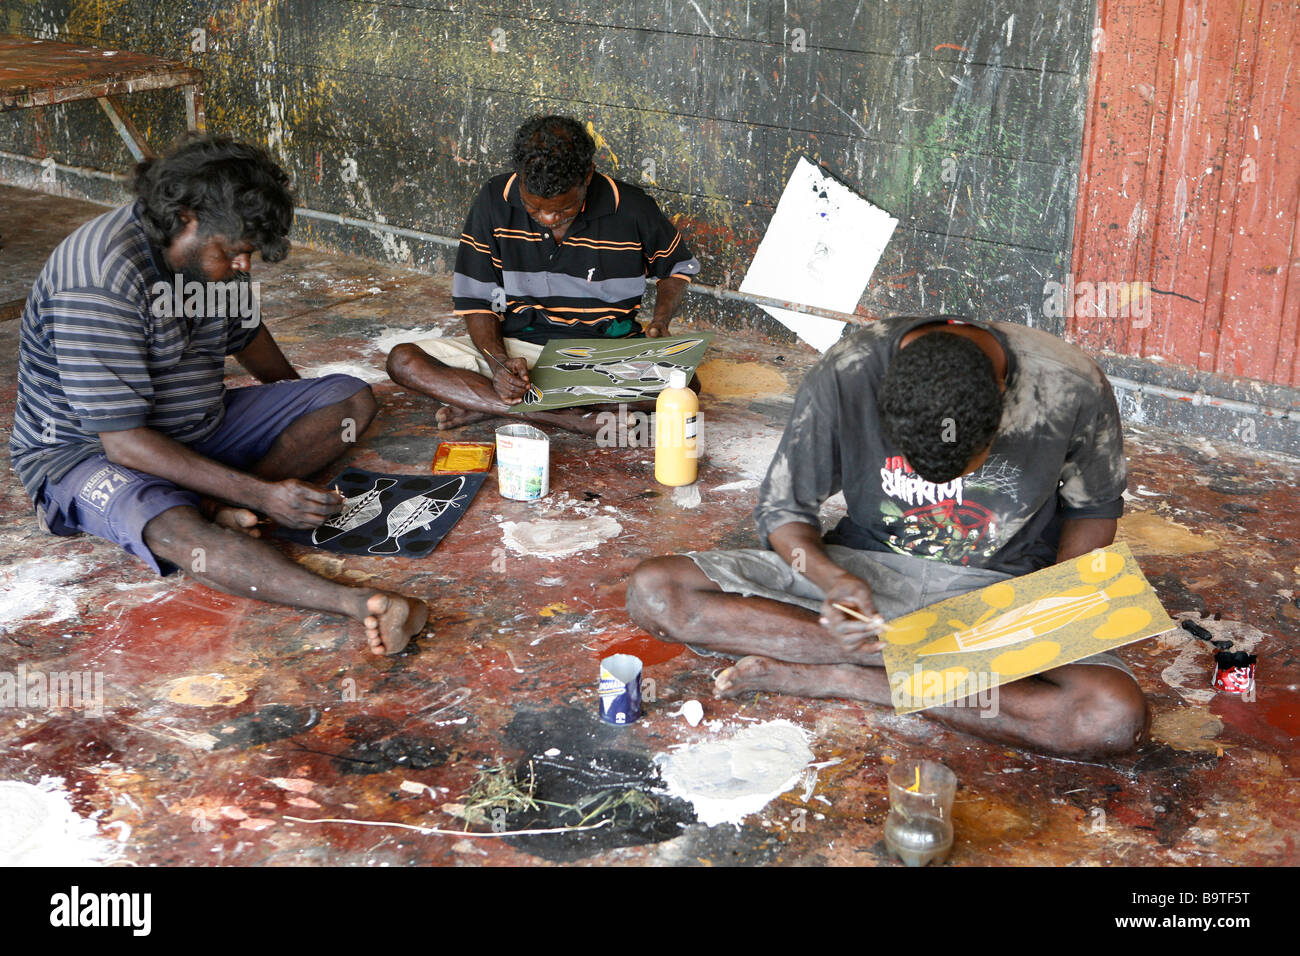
(459, 351)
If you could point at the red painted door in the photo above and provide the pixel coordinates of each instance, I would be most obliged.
(1190, 187)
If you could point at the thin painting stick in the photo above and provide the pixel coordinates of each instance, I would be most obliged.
(877, 620)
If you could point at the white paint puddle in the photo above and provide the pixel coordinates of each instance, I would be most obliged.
(366, 373)
(390, 337)
(727, 780)
(34, 587)
(552, 538)
(38, 827)
(687, 496)
(745, 447)
(745, 484)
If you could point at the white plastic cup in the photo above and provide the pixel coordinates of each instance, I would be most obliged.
(523, 462)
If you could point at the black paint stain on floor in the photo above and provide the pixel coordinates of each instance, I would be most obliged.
(404, 449)
(273, 722)
(777, 409)
(1175, 594)
(1153, 757)
(590, 769)
(379, 745)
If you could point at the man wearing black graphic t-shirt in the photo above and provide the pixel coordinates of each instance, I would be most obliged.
(967, 452)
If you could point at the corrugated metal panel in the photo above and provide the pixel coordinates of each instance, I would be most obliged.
(1191, 186)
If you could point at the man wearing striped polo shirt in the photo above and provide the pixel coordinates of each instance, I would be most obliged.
(123, 426)
(553, 249)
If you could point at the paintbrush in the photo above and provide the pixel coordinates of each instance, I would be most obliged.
(531, 387)
(503, 365)
(877, 620)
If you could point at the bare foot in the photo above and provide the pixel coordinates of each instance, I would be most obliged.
(237, 519)
(584, 423)
(392, 622)
(755, 673)
(452, 416)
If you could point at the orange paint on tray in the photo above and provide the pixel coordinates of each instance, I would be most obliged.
(463, 457)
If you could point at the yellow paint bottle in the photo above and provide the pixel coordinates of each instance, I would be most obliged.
(677, 415)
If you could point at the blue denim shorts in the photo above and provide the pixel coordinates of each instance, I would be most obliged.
(115, 503)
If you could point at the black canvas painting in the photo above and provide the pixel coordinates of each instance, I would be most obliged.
(389, 515)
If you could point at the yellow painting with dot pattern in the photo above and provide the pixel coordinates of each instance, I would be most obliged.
(961, 648)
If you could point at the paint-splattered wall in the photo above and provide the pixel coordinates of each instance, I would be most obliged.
(961, 117)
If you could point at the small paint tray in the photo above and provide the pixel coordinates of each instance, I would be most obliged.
(463, 457)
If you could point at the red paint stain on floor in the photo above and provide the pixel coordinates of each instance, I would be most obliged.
(650, 651)
(1285, 714)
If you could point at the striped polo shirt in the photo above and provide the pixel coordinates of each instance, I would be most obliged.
(587, 285)
(100, 352)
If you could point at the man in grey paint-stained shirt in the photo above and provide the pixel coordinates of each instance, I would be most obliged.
(968, 452)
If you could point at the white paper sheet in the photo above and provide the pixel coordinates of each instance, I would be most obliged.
(820, 249)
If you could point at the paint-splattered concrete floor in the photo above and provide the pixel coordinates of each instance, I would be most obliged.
(225, 717)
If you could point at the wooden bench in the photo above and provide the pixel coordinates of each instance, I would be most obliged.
(37, 73)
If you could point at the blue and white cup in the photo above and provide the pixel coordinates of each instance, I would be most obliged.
(620, 689)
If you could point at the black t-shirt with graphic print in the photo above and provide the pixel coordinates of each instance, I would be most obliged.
(1058, 455)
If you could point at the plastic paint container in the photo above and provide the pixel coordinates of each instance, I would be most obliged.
(523, 462)
(677, 416)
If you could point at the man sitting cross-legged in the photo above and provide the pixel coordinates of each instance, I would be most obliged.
(552, 250)
(123, 426)
(968, 453)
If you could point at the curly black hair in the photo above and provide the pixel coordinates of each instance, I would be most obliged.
(234, 189)
(552, 154)
(940, 404)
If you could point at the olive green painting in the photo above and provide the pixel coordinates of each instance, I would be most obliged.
(593, 371)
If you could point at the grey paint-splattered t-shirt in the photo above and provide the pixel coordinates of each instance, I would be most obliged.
(1058, 455)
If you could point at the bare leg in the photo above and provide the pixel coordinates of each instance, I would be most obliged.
(675, 601)
(242, 565)
(317, 438)
(469, 397)
(1080, 710)
(306, 446)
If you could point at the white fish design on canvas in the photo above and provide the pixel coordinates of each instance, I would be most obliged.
(655, 374)
(419, 511)
(356, 512)
(588, 351)
(612, 392)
